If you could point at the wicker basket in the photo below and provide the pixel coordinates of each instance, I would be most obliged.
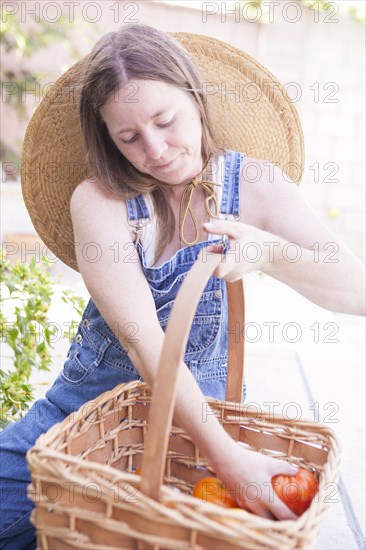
(83, 483)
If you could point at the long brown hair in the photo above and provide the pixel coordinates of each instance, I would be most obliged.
(136, 52)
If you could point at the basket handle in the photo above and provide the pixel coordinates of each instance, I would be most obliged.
(175, 341)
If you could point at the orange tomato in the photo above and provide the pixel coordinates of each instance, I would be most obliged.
(210, 489)
(297, 491)
(138, 471)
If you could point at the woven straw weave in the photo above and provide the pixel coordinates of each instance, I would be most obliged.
(258, 119)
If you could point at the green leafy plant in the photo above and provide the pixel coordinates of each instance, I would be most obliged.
(26, 331)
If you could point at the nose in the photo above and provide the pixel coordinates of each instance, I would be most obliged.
(155, 145)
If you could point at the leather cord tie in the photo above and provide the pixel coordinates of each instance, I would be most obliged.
(208, 187)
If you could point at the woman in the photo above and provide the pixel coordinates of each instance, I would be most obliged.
(148, 210)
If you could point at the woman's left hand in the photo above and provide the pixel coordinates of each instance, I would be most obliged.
(249, 248)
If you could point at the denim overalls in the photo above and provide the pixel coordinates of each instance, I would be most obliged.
(97, 362)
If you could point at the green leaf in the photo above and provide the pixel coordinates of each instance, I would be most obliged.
(26, 328)
(41, 348)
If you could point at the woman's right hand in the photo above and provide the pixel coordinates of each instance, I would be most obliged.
(247, 476)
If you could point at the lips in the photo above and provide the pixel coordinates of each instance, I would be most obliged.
(166, 164)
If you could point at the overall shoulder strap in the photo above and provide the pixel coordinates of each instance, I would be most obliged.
(230, 200)
(138, 215)
(137, 209)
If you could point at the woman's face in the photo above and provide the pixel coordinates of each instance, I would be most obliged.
(157, 127)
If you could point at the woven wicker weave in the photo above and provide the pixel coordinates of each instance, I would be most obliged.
(88, 497)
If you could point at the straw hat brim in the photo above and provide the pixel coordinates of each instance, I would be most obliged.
(251, 113)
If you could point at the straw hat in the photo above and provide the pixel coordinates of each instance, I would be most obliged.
(258, 119)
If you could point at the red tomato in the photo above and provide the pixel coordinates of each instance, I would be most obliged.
(297, 491)
(209, 489)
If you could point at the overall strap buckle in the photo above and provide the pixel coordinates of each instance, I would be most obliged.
(138, 227)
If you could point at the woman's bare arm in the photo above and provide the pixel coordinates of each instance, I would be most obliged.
(283, 237)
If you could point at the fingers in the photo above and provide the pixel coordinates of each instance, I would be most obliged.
(275, 510)
(231, 230)
(288, 469)
(217, 248)
(260, 510)
(222, 227)
(280, 510)
(225, 270)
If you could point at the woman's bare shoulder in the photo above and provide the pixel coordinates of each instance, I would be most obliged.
(258, 172)
(255, 177)
(92, 191)
(90, 194)
(90, 198)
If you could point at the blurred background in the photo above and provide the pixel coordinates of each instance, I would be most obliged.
(316, 50)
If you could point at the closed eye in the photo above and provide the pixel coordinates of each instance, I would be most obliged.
(161, 125)
(129, 140)
(169, 123)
